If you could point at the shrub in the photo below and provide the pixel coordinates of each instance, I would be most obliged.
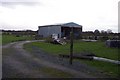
(104, 38)
(48, 40)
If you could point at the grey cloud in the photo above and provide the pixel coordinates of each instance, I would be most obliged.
(19, 0)
(19, 3)
(13, 3)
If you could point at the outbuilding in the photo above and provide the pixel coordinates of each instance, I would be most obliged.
(60, 30)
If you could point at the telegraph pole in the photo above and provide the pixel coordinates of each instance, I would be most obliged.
(71, 45)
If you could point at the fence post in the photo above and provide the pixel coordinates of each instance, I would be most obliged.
(71, 45)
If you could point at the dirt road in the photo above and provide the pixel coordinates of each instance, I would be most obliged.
(18, 63)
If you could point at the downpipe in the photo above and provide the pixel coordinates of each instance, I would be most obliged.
(90, 58)
(106, 60)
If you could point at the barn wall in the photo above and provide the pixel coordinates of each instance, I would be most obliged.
(48, 31)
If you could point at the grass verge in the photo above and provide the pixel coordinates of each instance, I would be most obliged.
(97, 48)
(12, 38)
(56, 73)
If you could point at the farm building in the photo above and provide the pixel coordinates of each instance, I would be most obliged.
(61, 30)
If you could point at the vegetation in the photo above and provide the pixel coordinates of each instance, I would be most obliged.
(97, 48)
(56, 73)
(0, 39)
(12, 38)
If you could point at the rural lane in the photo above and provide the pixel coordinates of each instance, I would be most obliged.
(19, 63)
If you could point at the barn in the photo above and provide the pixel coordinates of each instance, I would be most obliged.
(61, 30)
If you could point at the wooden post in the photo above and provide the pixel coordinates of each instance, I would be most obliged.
(71, 45)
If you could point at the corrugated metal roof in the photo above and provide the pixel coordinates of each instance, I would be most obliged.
(70, 24)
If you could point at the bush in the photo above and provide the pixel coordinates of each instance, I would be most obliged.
(17, 35)
(37, 37)
(104, 38)
(48, 40)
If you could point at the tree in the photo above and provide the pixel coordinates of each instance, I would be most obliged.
(109, 31)
(104, 35)
(96, 32)
(102, 31)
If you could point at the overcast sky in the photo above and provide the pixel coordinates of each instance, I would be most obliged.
(29, 14)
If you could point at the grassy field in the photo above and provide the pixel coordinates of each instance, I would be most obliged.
(0, 39)
(97, 48)
(12, 38)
